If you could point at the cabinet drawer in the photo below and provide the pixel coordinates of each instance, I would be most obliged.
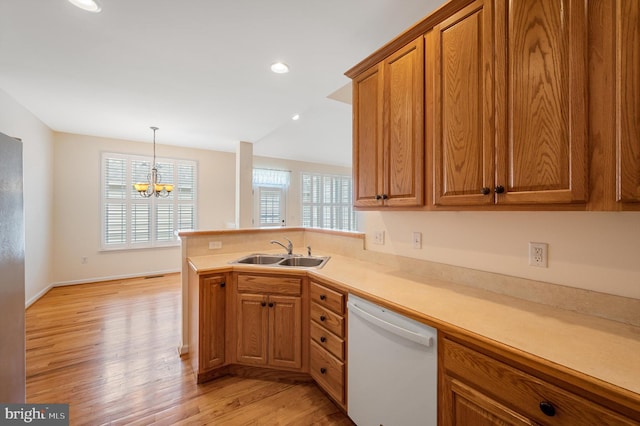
(329, 320)
(522, 392)
(327, 371)
(327, 340)
(326, 297)
(267, 284)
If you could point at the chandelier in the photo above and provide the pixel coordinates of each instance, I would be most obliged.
(153, 187)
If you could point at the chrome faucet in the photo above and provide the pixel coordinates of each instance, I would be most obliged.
(288, 247)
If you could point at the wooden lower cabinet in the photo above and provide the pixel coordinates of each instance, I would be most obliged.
(478, 389)
(327, 352)
(207, 304)
(269, 321)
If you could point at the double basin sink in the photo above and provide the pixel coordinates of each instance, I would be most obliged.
(285, 260)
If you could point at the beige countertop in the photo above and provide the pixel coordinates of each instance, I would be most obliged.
(603, 349)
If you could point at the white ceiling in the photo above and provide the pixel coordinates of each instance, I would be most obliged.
(198, 69)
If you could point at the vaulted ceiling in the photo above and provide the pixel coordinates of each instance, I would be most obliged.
(198, 69)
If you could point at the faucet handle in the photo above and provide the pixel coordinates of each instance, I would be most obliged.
(309, 251)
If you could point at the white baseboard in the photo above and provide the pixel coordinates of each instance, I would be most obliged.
(96, 280)
(35, 298)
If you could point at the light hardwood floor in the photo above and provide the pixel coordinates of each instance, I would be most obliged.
(110, 351)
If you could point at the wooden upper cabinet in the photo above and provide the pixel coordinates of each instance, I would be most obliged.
(403, 126)
(541, 130)
(459, 64)
(628, 100)
(367, 137)
(388, 148)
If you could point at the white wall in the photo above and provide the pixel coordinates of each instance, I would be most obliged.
(294, 202)
(597, 251)
(37, 139)
(76, 212)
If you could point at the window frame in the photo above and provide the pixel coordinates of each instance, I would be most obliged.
(323, 206)
(130, 199)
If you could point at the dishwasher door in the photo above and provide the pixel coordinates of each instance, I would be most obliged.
(392, 368)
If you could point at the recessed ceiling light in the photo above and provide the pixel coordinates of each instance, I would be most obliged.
(280, 68)
(88, 5)
(296, 117)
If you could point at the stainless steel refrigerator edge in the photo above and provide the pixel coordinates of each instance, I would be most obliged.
(12, 333)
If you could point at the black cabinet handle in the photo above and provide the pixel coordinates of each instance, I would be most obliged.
(263, 304)
(271, 304)
(485, 191)
(385, 197)
(547, 408)
(323, 297)
(322, 318)
(323, 339)
(222, 284)
(378, 197)
(499, 189)
(323, 370)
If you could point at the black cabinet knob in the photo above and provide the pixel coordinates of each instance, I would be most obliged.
(222, 284)
(263, 304)
(323, 297)
(385, 197)
(547, 408)
(323, 339)
(323, 370)
(271, 304)
(322, 318)
(499, 189)
(485, 191)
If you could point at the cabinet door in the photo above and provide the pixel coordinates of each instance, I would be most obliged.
(541, 81)
(212, 322)
(367, 137)
(403, 136)
(462, 405)
(285, 331)
(253, 317)
(628, 99)
(461, 51)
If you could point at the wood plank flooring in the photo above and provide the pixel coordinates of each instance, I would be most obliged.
(110, 351)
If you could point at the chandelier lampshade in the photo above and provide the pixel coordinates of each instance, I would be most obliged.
(154, 185)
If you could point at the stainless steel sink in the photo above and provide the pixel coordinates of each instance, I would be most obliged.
(305, 262)
(284, 260)
(259, 259)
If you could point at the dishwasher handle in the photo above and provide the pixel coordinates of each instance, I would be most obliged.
(392, 328)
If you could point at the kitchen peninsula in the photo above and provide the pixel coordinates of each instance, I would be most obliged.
(592, 358)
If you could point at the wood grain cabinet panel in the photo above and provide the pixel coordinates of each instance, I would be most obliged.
(269, 324)
(541, 54)
(388, 137)
(285, 331)
(481, 390)
(628, 100)
(460, 50)
(253, 328)
(367, 137)
(207, 322)
(212, 333)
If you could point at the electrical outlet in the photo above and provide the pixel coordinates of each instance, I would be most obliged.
(538, 254)
(417, 240)
(215, 245)
(378, 237)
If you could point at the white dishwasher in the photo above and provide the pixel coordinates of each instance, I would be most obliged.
(392, 368)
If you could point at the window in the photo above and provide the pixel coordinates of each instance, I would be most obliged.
(327, 202)
(132, 221)
(269, 189)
